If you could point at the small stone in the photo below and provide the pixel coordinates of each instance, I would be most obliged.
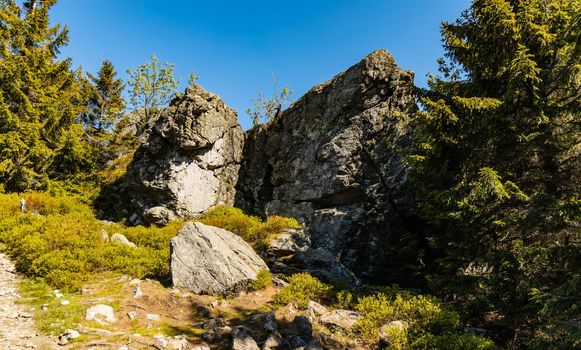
(178, 343)
(316, 308)
(71, 334)
(270, 326)
(214, 323)
(162, 340)
(100, 313)
(104, 236)
(344, 319)
(62, 341)
(138, 293)
(65, 302)
(274, 341)
(119, 238)
(152, 317)
(296, 342)
(242, 339)
(44, 307)
(210, 336)
(303, 327)
(203, 311)
(135, 282)
(132, 314)
(58, 295)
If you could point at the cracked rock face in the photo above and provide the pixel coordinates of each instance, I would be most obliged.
(330, 161)
(210, 260)
(189, 162)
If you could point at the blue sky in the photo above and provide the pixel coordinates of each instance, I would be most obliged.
(236, 46)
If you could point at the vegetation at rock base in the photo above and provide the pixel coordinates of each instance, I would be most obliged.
(251, 228)
(301, 289)
(426, 322)
(60, 241)
(497, 164)
(263, 280)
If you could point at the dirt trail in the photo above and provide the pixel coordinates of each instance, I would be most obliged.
(16, 323)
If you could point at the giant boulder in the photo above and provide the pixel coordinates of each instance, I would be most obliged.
(210, 260)
(331, 161)
(188, 163)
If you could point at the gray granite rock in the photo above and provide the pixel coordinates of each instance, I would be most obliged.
(210, 260)
(188, 163)
(330, 161)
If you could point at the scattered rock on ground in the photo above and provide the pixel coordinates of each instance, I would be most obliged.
(242, 339)
(289, 243)
(17, 333)
(119, 238)
(275, 341)
(152, 317)
(344, 319)
(101, 313)
(303, 327)
(316, 309)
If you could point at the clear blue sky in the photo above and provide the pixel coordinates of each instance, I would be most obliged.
(236, 46)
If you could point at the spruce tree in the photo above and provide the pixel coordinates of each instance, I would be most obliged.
(497, 161)
(40, 97)
(105, 101)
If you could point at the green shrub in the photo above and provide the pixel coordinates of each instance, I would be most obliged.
(64, 245)
(396, 338)
(430, 325)
(263, 280)
(344, 299)
(301, 289)
(452, 341)
(250, 228)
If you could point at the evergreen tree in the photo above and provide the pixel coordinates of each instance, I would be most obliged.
(40, 97)
(105, 101)
(498, 160)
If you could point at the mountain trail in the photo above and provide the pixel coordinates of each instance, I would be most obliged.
(16, 323)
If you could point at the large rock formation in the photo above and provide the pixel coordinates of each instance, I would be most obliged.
(330, 161)
(210, 260)
(189, 162)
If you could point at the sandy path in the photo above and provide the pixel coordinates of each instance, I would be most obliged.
(16, 324)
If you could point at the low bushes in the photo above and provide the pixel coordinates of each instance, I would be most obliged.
(59, 240)
(250, 228)
(263, 280)
(301, 289)
(423, 322)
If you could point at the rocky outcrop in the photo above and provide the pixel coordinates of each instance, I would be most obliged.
(330, 161)
(210, 260)
(189, 162)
